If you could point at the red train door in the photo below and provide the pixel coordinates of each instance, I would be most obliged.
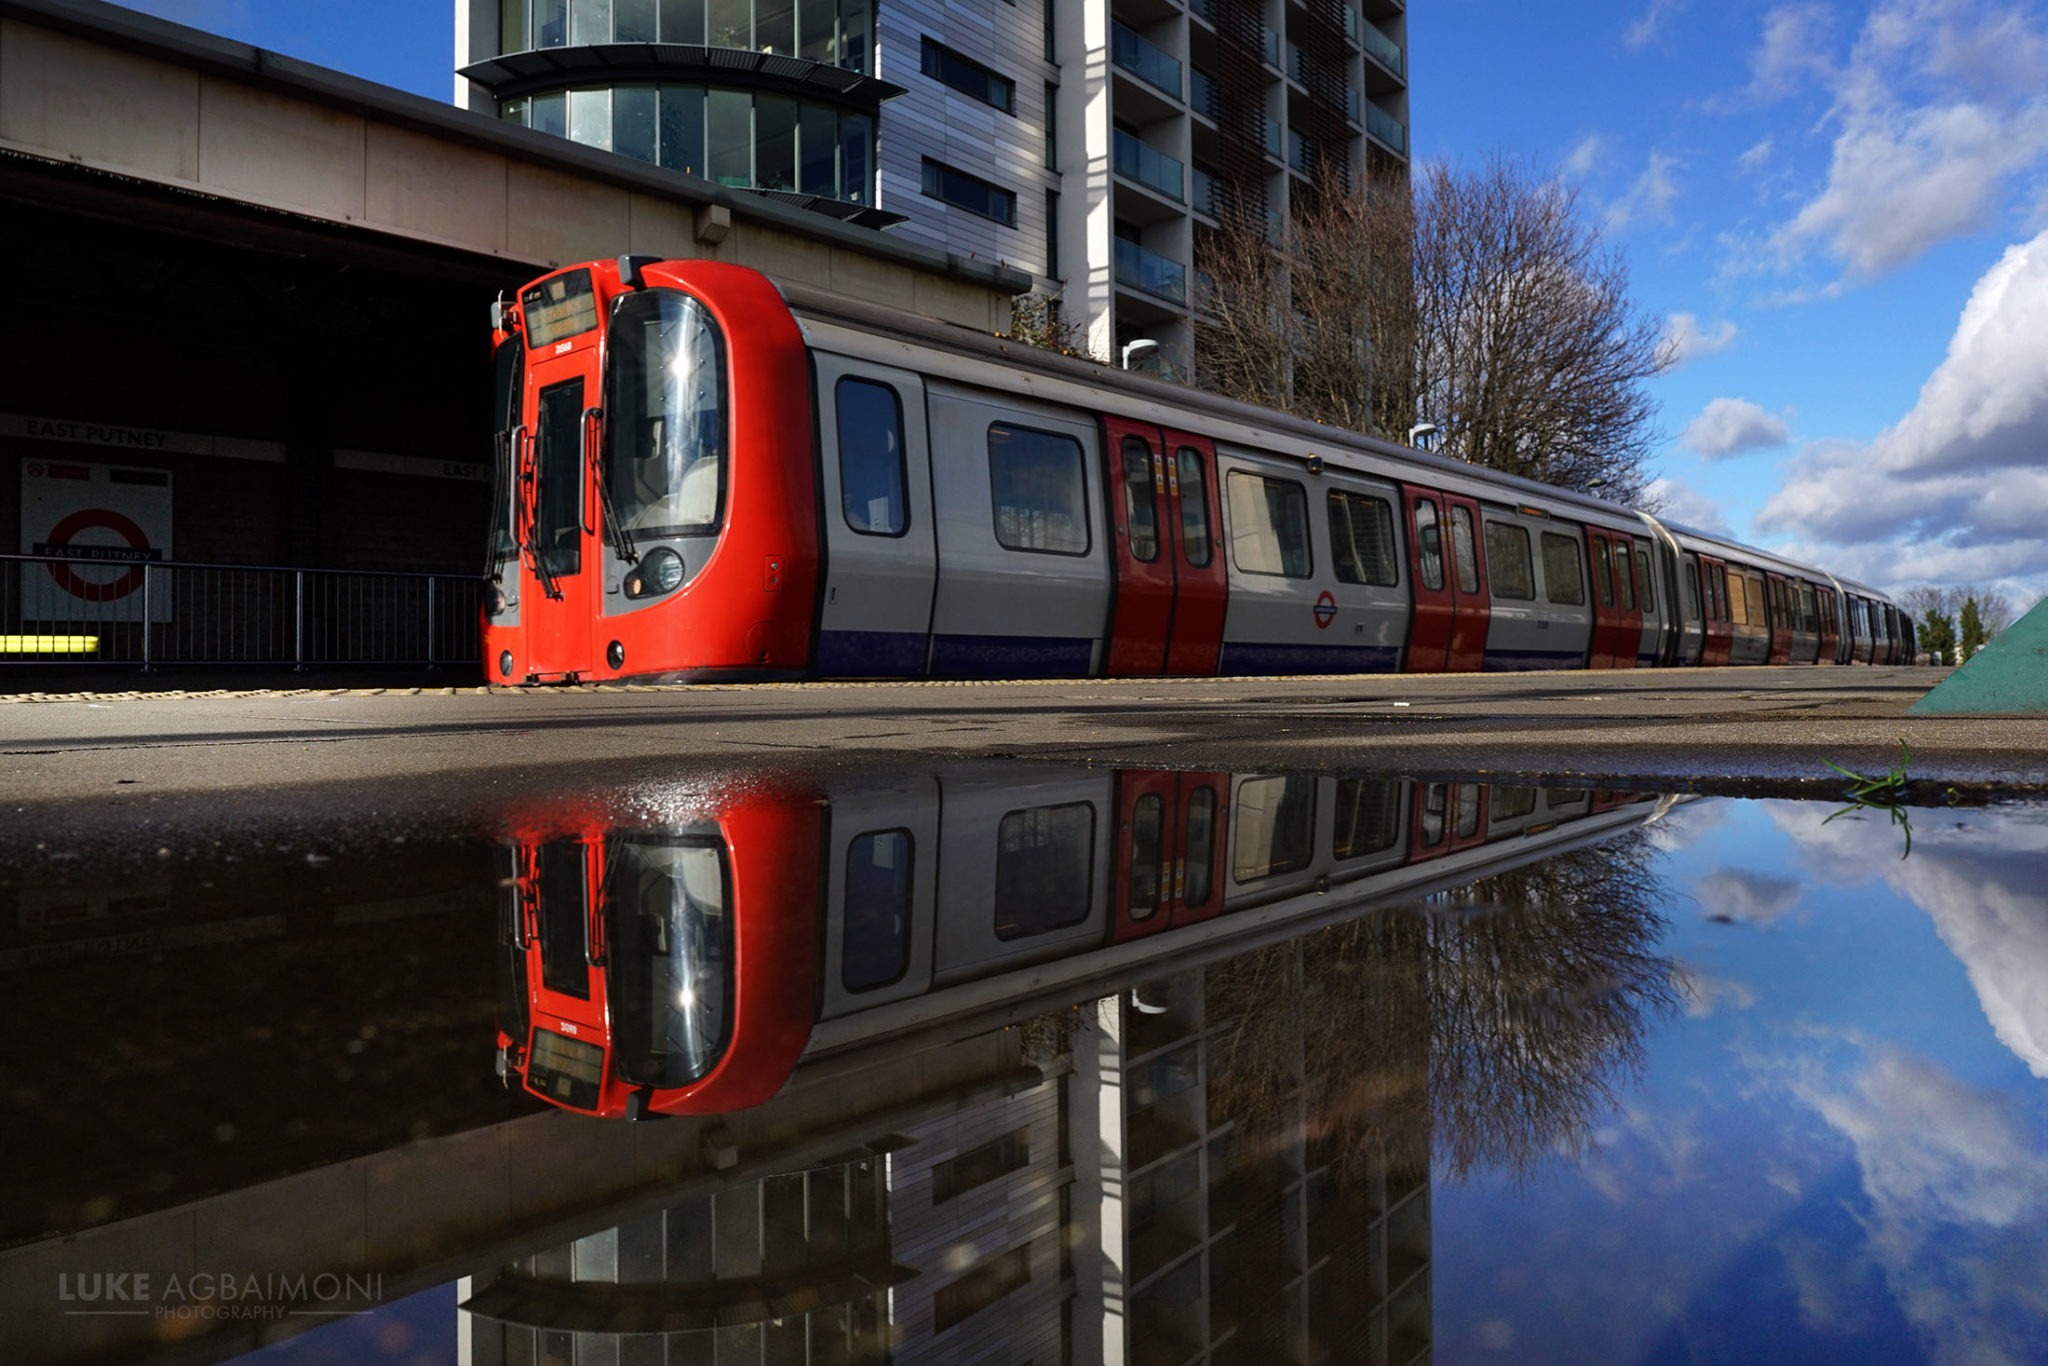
(1447, 571)
(561, 554)
(1617, 617)
(1720, 632)
(1778, 594)
(1830, 634)
(1169, 855)
(1201, 591)
(1170, 588)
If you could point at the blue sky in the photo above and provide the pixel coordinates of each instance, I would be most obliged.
(1841, 208)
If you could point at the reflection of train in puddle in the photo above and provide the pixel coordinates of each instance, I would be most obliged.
(687, 967)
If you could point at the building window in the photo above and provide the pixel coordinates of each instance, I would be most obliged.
(967, 76)
(834, 32)
(1052, 126)
(979, 1166)
(1038, 491)
(972, 193)
(980, 1288)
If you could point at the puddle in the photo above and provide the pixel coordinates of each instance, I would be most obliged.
(1049, 1063)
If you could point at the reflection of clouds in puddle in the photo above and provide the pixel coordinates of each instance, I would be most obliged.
(1957, 1182)
(1684, 825)
(1982, 876)
(1745, 896)
(1706, 995)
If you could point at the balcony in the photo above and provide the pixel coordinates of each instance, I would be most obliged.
(1144, 59)
(1148, 166)
(1272, 138)
(1202, 192)
(1205, 10)
(1150, 273)
(1386, 128)
(1204, 95)
(1384, 50)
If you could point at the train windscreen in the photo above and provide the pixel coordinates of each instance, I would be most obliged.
(668, 915)
(665, 424)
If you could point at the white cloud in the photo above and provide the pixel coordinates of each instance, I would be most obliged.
(1645, 30)
(1733, 426)
(1791, 51)
(1705, 995)
(1742, 894)
(1757, 156)
(1584, 157)
(1958, 488)
(1682, 505)
(1938, 107)
(1650, 197)
(1685, 339)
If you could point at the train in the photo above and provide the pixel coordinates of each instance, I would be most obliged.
(693, 965)
(702, 475)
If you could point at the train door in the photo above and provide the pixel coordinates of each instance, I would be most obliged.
(1779, 600)
(881, 897)
(1613, 644)
(1825, 607)
(881, 555)
(1720, 630)
(1649, 640)
(1692, 631)
(560, 927)
(1169, 859)
(1167, 616)
(561, 548)
(1448, 630)
(1429, 836)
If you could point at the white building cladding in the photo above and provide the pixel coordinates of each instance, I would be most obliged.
(1086, 142)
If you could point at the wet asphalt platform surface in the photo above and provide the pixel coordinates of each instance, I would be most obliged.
(132, 766)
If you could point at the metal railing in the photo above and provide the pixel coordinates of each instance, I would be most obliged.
(57, 610)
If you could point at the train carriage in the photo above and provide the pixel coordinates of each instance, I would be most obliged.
(704, 476)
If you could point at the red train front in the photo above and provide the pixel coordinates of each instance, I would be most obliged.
(661, 507)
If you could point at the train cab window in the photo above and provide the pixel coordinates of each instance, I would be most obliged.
(1272, 827)
(1269, 526)
(1603, 571)
(1141, 500)
(878, 889)
(1039, 492)
(1362, 539)
(1044, 858)
(1148, 821)
(1564, 580)
(1429, 546)
(1463, 552)
(666, 901)
(1201, 846)
(1644, 595)
(1368, 817)
(666, 412)
(871, 471)
(1510, 570)
(1194, 506)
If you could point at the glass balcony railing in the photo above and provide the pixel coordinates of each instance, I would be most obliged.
(1386, 128)
(1204, 94)
(1144, 59)
(1384, 50)
(1353, 106)
(1272, 137)
(1269, 45)
(1204, 10)
(1202, 192)
(1301, 153)
(1149, 166)
(1149, 271)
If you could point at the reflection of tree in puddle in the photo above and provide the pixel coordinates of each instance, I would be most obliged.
(1489, 1028)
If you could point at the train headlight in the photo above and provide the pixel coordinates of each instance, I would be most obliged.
(660, 572)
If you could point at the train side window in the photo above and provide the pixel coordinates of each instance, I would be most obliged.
(1468, 810)
(1722, 610)
(878, 889)
(1463, 552)
(1201, 846)
(1513, 803)
(1429, 547)
(1272, 827)
(1148, 821)
(1435, 797)
(1603, 572)
(1039, 491)
(1368, 817)
(872, 479)
(1509, 569)
(1194, 506)
(1362, 539)
(1269, 526)
(1141, 500)
(1809, 618)
(1689, 575)
(1564, 580)
(1044, 858)
(1644, 595)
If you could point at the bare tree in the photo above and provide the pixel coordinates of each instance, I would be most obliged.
(1038, 320)
(1530, 355)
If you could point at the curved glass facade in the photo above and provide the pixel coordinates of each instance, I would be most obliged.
(835, 32)
(739, 138)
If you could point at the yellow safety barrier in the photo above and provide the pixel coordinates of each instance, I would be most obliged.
(49, 645)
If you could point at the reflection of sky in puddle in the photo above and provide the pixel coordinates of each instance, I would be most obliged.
(1839, 1151)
